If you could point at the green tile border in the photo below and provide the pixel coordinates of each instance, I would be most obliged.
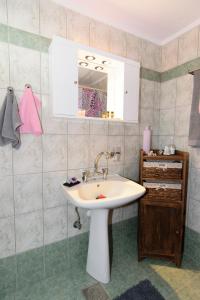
(28, 40)
(150, 74)
(37, 42)
(23, 38)
(181, 70)
(3, 33)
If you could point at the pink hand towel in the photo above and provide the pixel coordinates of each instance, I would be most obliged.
(29, 107)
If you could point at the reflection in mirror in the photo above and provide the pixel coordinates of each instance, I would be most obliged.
(92, 92)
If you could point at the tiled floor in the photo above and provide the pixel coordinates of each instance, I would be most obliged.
(173, 283)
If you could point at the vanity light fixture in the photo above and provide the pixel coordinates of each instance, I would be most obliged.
(90, 57)
(98, 68)
(83, 64)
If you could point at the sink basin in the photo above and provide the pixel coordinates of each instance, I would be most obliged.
(118, 191)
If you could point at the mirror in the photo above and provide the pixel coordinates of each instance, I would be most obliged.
(92, 92)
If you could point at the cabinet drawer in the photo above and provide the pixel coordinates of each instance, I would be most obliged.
(163, 191)
(162, 170)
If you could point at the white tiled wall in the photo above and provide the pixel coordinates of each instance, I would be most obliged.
(29, 10)
(170, 55)
(181, 49)
(188, 46)
(175, 106)
(33, 210)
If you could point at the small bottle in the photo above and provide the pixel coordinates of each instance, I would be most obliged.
(103, 115)
(172, 147)
(147, 139)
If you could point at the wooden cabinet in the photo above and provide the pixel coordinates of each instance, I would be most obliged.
(162, 208)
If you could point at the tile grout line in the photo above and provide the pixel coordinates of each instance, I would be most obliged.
(175, 113)
(175, 110)
(42, 147)
(198, 41)
(90, 29)
(68, 247)
(13, 184)
(67, 25)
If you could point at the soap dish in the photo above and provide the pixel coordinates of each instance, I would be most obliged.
(71, 183)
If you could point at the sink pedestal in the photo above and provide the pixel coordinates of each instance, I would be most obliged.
(98, 261)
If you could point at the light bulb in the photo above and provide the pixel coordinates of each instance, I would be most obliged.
(90, 57)
(83, 64)
(98, 68)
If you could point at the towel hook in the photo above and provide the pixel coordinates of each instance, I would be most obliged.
(10, 89)
(27, 85)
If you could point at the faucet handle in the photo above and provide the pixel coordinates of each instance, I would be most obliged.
(105, 172)
(85, 175)
(112, 154)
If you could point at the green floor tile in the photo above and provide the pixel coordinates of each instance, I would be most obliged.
(30, 267)
(7, 274)
(7, 296)
(66, 276)
(56, 258)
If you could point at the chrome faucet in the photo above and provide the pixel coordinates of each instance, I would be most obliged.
(86, 174)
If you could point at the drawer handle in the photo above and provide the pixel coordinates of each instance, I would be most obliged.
(160, 188)
(177, 232)
(161, 168)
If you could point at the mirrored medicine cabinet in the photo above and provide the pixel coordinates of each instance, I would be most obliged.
(86, 82)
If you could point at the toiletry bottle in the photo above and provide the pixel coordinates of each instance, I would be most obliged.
(167, 150)
(147, 139)
(172, 147)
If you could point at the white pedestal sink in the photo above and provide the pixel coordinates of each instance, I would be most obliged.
(118, 191)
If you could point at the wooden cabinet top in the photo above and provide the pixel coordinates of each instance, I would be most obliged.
(179, 155)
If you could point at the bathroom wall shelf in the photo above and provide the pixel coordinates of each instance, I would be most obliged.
(162, 209)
